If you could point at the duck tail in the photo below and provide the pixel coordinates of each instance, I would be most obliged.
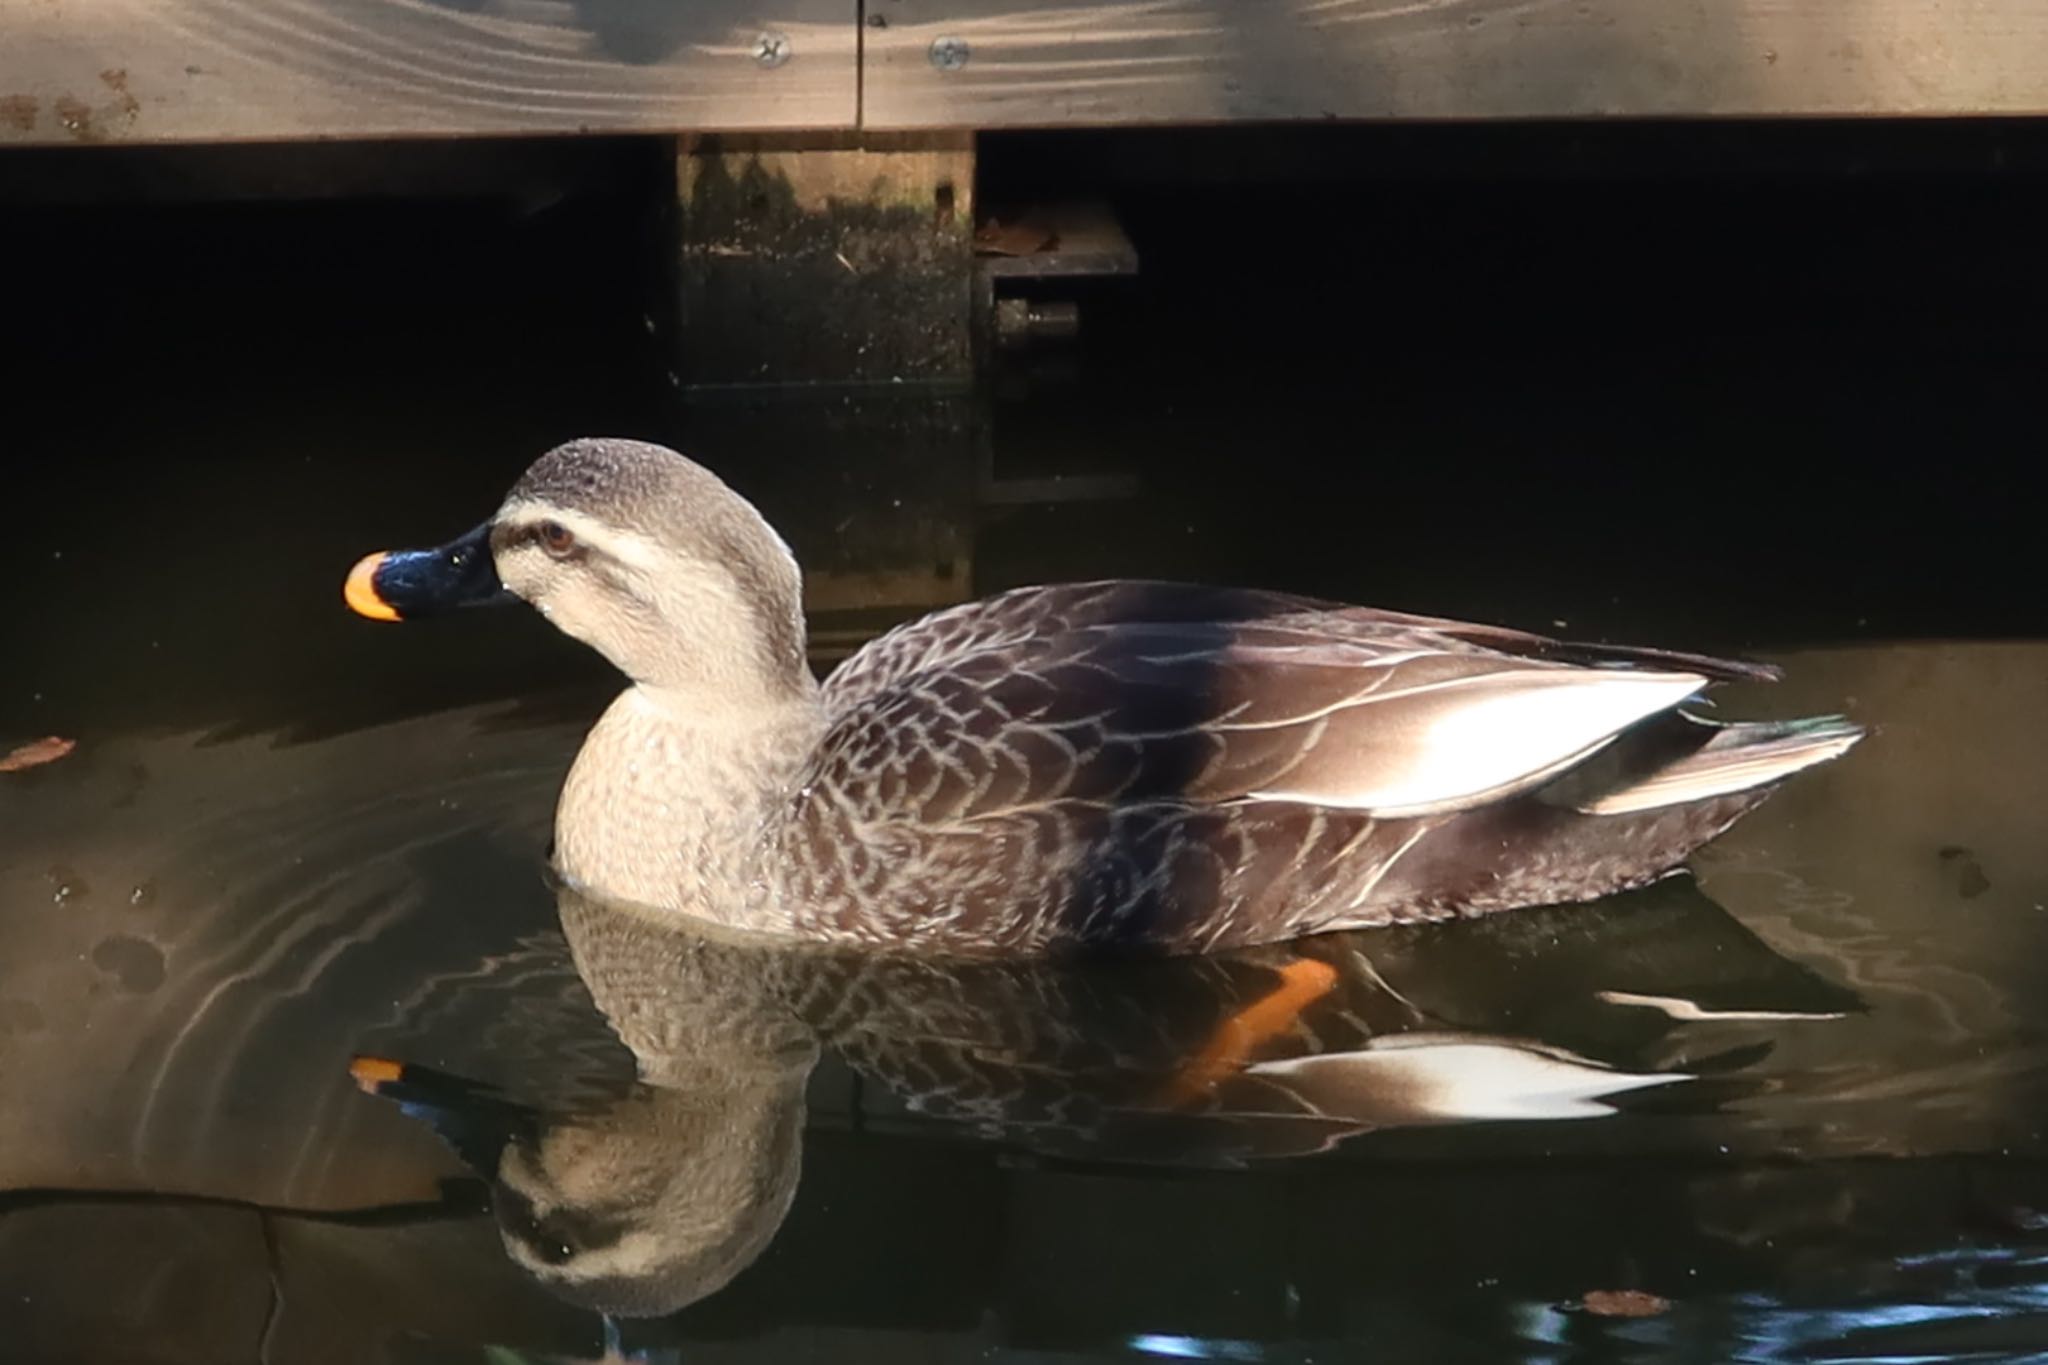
(1636, 656)
(1736, 758)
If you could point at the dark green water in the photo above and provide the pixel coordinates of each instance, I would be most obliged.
(1796, 1097)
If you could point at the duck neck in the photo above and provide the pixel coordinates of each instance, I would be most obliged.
(667, 803)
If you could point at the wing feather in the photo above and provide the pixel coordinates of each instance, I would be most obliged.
(1124, 693)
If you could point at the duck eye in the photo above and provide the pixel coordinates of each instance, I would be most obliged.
(557, 539)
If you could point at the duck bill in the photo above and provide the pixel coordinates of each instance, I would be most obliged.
(398, 585)
(474, 1120)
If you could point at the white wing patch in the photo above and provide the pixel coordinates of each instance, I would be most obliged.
(1487, 736)
(1722, 771)
(1691, 1012)
(1432, 1078)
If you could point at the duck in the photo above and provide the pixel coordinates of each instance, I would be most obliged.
(1124, 766)
(636, 1184)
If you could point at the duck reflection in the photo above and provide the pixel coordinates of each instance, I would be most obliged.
(638, 1198)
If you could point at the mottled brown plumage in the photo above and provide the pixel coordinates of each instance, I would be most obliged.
(1106, 765)
(638, 1196)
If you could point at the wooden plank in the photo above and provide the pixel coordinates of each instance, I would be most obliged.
(1007, 63)
(246, 70)
(1055, 241)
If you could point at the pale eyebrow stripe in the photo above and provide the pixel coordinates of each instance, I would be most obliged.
(630, 549)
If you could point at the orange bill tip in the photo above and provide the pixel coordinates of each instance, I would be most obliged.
(360, 592)
(371, 1072)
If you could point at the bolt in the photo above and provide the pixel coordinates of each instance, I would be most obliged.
(771, 49)
(949, 53)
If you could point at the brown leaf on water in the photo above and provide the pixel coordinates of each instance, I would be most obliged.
(36, 753)
(994, 238)
(1624, 1303)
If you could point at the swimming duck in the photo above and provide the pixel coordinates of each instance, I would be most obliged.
(1107, 765)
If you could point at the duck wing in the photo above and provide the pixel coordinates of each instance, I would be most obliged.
(1179, 768)
(998, 622)
(1127, 694)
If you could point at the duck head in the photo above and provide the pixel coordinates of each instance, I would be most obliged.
(660, 1200)
(638, 1206)
(642, 554)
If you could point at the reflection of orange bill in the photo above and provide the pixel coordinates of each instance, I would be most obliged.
(371, 1072)
(1302, 982)
(360, 591)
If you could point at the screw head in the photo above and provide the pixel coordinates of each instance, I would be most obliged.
(948, 53)
(771, 49)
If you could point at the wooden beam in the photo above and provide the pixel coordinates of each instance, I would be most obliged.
(1008, 63)
(96, 71)
(109, 71)
(837, 260)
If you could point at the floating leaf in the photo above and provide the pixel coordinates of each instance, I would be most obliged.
(1624, 1303)
(36, 753)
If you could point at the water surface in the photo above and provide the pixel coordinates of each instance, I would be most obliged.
(1796, 1096)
